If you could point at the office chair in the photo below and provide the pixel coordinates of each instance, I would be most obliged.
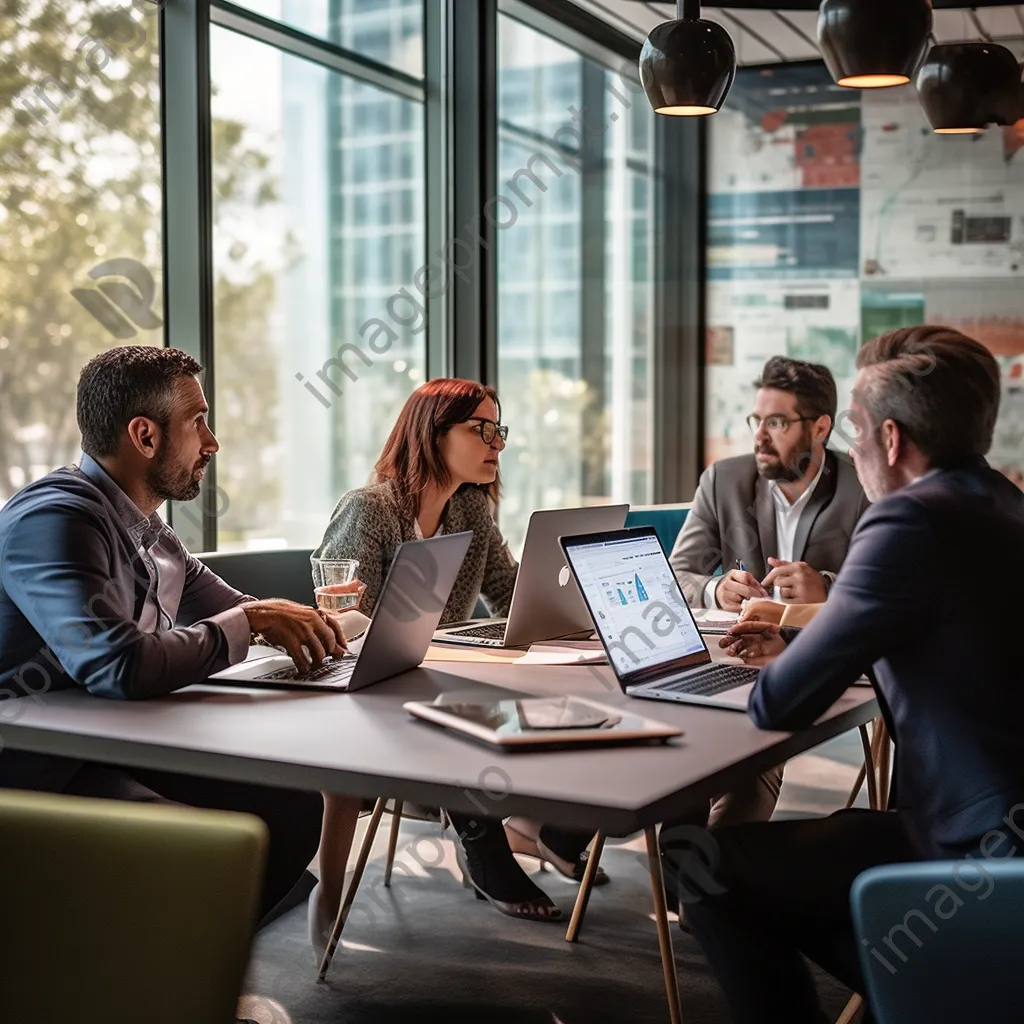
(939, 941)
(119, 912)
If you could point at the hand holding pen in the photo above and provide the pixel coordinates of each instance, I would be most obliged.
(737, 586)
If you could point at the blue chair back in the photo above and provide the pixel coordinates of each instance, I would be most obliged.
(667, 521)
(939, 941)
(283, 572)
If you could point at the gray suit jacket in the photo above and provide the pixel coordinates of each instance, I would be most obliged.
(733, 518)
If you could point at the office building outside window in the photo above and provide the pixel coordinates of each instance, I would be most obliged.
(575, 294)
(316, 346)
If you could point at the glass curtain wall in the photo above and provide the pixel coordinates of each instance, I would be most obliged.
(80, 213)
(836, 215)
(575, 291)
(319, 196)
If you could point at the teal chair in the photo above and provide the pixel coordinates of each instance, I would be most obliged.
(667, 520)
(122, 913)
(283, 572)
(940, 941)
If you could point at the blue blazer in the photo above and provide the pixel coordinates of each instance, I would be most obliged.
(930, 594)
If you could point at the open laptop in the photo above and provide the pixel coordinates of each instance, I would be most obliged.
(545, 601)
(407, 612)
(648, 631)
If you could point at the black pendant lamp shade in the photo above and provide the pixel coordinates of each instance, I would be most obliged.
(965, 86)
(871, 44)
(687, 66)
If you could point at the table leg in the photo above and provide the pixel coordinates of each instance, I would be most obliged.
(668, 963)
(851, 1010)
(350, 893)
(883, 759)
(396, 824)
(586, 885)
(870, 772)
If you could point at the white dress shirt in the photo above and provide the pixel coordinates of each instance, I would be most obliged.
(787, 517)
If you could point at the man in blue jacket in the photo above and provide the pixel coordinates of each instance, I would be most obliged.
(97, 591)
(929, 579)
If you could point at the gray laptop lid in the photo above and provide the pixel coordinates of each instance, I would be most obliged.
(409, 607)
(546, 601)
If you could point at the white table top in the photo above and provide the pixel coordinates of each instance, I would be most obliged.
(366, 744)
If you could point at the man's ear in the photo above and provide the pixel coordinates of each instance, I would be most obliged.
(144, 435)
(892, 441)
(822, 428)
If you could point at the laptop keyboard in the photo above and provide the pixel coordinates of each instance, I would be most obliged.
(332, 669)
(488, 631)
(711, 681)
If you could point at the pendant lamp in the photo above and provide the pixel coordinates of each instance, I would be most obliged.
(687, 66)
(873, 44)
(965, 86)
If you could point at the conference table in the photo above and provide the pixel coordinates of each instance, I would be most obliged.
(365, 744)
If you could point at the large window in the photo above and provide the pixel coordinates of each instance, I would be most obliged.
(80, 214)
(575, 292)
(836, 215)
(319, 223)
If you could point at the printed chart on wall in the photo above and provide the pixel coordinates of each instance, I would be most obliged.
(783, 239)
(938, 206)
(836, 215)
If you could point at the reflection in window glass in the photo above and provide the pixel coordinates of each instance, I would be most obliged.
(837, 215)
(574, 337)
(314, 355)
(80, 218)
(387, 31)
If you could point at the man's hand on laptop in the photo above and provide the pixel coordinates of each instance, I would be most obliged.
(737, 586)
(298, 629)
(751, 640)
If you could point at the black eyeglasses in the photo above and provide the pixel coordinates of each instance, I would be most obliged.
(488, 429)
(777, 424)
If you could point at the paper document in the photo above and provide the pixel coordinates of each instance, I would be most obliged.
(714, 615)
(565, 652)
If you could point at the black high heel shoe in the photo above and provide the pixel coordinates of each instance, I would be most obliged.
(525, 845)
(489, 868)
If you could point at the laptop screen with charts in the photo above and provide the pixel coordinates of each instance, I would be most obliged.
(407, 612)
(647, 629)
(545, 601)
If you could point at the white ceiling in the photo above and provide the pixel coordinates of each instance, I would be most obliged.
(768, 37)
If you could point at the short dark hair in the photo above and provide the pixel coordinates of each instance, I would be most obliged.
(125, 382)
(812, 383)
(940, 386)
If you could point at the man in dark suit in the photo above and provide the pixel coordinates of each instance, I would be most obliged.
(778, 521)
(907, 601)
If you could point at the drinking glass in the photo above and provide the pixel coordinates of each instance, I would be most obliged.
(334, 583)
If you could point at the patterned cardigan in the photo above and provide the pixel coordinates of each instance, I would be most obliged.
(370, 522)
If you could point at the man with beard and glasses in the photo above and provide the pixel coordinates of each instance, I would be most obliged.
(778, 522)
(96, 591)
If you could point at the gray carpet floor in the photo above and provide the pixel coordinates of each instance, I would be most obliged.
(425, 949)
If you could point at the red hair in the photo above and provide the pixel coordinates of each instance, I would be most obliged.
(411, 458)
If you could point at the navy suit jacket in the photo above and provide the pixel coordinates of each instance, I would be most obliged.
(929, 594)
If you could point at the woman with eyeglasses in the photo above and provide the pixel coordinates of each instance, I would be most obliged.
(438, 474)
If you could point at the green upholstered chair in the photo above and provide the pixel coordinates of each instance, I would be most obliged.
(667, 520)
(282, 572)
(119, 912)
